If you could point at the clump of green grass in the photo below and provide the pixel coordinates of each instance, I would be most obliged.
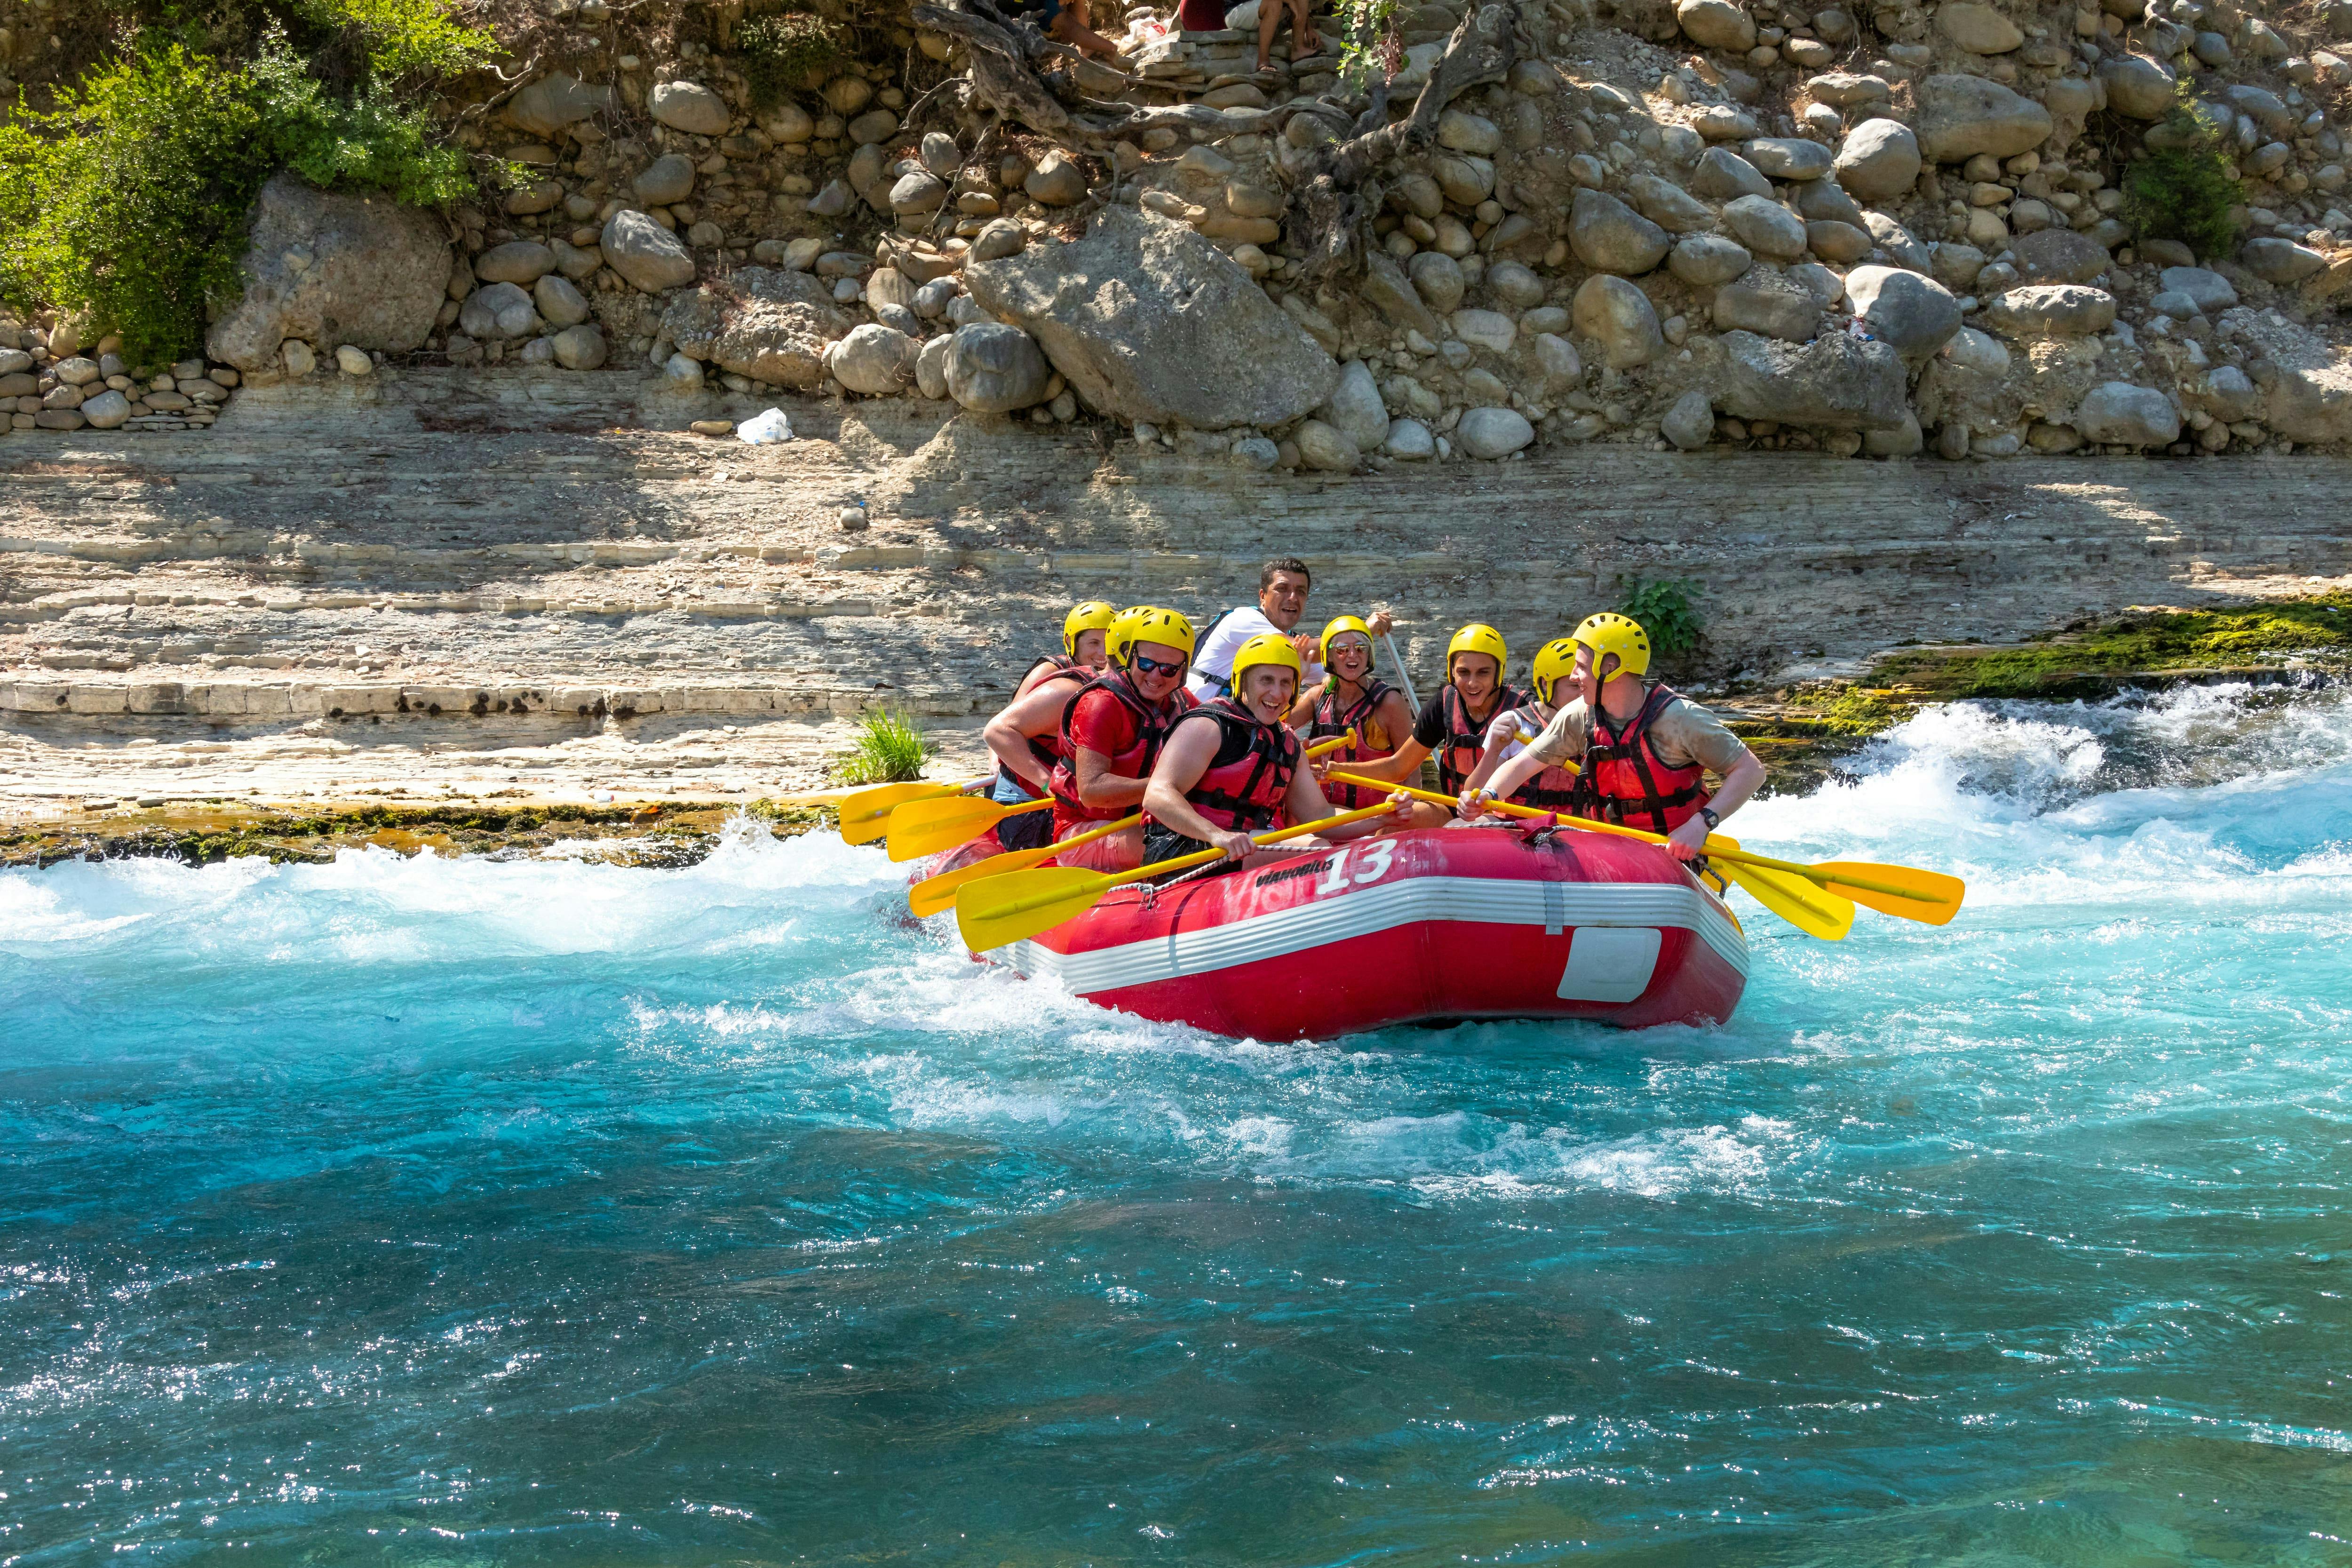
(890, 748)
(1665, 610)
(786, 50)
(2185, 187)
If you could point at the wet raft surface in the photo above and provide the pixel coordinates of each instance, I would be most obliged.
(550, 1212)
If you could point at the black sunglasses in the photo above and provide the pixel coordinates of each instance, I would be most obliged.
(1155, 665)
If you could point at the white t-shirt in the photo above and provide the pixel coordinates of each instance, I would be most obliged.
(1215, 652)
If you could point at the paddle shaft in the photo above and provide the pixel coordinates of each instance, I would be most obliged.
(1200, 857)
(1740, 857)
(1403, 679)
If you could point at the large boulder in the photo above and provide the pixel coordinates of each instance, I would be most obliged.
(2122, 415)
(642, 251)
(1355, 409)
(499, 311)
(1766, 227)
(873, 359)
(1493, 432)
(1668, 205)
(333, 270)
(2275, 260)
(547, 106)
(1961, 116)
(1977, 27)
(1149, 321)
(1879, 161)
(689, 107)
(2059, 256)
(2310, 399)
(668, 178)
(2051, 310)
(1717, 25)
(1388, 290)
(2207, 290)
(771, 324)
(1913, 315)
(1610, 236)
(1768, 300)
(2137, 87)
(1722, 175)
(1621, 318)
(1788, 158)
(1704, 260)
(994, 368)
(1839, 381)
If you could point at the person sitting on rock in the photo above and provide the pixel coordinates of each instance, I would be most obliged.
(1111, 733)
(1645, 750)
(1303, 39)
(1064, 21)
(1229, 767)
(1514, 729)
(1452, 724)
(1282, 588)
(1026, 734)
(1352, 698)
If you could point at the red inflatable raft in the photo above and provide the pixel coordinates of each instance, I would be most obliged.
(1433, 924)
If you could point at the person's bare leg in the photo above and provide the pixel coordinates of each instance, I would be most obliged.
(1269, 16)
(1303, 39)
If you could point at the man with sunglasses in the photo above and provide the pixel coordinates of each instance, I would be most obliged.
(1111, 733)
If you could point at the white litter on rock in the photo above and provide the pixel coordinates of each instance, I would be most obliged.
(765, 429)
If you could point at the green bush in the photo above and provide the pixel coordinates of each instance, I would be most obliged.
(129, 200)
(890, 747)
(1665, 610)
(783, 50)
(408, 43)
(2186, 184)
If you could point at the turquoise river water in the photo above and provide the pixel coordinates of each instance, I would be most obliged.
(417, 1211)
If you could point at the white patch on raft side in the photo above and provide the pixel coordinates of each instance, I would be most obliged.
(1361, 911)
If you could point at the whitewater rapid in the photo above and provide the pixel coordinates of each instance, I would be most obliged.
(546, 1208)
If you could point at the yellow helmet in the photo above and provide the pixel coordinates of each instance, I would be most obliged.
(1093, 616)
(1148, 623)
(1267, 647)
(1554, 659)
(1479, 637)
(1609, 632)
(1343, 624)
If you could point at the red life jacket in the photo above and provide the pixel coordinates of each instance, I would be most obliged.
(1331, 718)
(1553, 789)
(1151, 727)
(1046, 749)
(1465, 741)
(1248, 783)
(1624, 782)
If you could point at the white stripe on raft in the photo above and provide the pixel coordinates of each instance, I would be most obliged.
(1361, 911)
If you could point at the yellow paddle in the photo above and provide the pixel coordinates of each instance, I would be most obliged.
(932, 894)
(865, 816)
(1905, 891)
(922, 828)
(1022, 903)
(1812, 909)
(935, 893)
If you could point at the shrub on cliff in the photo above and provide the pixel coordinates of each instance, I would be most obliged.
(128, 201)
(2184, 187)
(785, 50)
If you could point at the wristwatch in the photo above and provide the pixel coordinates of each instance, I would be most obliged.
(1712, 821)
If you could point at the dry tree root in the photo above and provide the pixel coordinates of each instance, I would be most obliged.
(1329, 204)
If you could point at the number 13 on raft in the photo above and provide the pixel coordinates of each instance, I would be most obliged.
(1379, 855)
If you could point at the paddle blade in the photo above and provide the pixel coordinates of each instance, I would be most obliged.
(999, 910)
(865, 816)
(1930, 896)
(1811, 910)
(922, 828)
(933, 894)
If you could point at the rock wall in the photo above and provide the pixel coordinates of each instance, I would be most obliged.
(1765, 225)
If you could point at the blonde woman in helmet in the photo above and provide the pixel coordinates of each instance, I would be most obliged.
(1553, 789)
(1230, 767)
(1453, 722)
(1111, 733)
(1026, 735)
(1643, 749)
(1351, 697)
